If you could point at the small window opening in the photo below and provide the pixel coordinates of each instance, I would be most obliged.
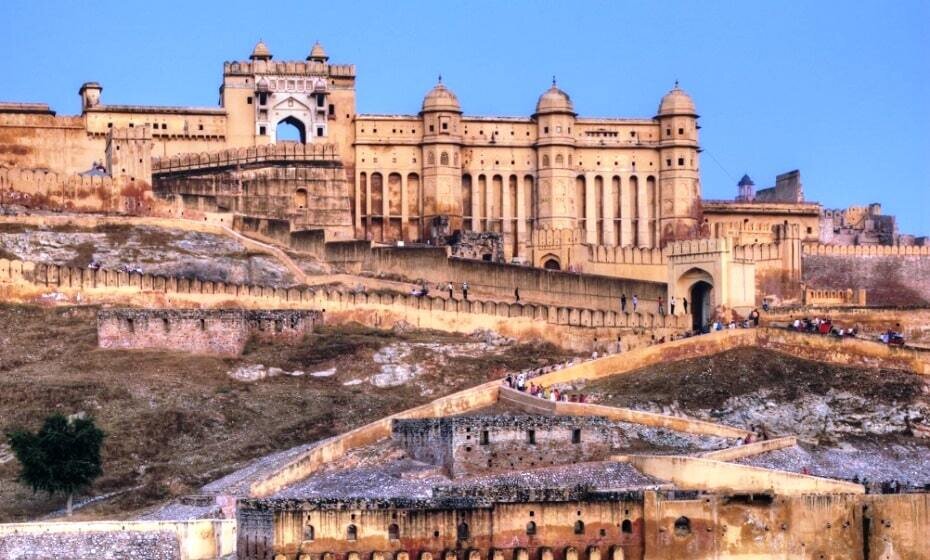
(462, 531)
(681, 161)
(485, 437)
(531, 528)
(309, 533)
(626, 526)
(261, 131)
(576, 435)
(203, 325)
(682, 526)
(352, 533)
(531, 437)
(579, 527)
(393, 532)
(248, 100)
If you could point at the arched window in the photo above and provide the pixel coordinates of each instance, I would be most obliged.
(559, 160)
(430, 158)
(551, 264)
(626, 526)
(462, 531)
(545, 161)
(309, 533)
(579, 527)
(300, 199)
(682, 526)
(531, 528)
(352, 533)
(444, 158)
(393, 532)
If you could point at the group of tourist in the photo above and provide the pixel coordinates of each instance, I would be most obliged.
(822, 325)
(660, 304)
(518, 382)
(422, 290)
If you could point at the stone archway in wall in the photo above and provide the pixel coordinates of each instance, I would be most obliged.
(290, 129)
(551, 262)
(697, 286)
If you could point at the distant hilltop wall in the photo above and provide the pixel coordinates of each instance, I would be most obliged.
(201, 331)
(892, 275)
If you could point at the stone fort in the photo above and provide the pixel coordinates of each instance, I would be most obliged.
(617, 197)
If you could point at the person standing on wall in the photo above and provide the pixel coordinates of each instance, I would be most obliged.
(623, 303)
(684, 302)
(635, 302)
(465, 290)
(516, 294)
(450, 289)
(671, 304)
(661, 307)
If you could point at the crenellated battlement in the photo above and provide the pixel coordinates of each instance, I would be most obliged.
(61, 277)
(288, 67)
(698, 246)
(611, 254)
(757, 252)
(47, 189)
(866, 250)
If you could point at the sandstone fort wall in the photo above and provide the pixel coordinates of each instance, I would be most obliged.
(892, 276)
(200, 331)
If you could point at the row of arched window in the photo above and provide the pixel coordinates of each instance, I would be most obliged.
(682, 525)
(462, 532)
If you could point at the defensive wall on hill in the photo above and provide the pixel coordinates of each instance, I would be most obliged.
(580, 328)
(892, 275)
(46, 189)
(201, 331)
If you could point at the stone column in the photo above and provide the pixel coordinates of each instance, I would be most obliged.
(404, 212)
(521, 218)
(488, 202)
(642, 214)
(385, 206)
(608, 205)
(590, 210)
(626, 213)
(506, 222)
(475, 203)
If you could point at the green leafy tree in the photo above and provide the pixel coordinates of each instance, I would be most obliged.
(63, 456)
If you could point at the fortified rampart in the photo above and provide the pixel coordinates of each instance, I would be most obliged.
(201, 331)
(574, 327)
(45, 189)
(892, 275)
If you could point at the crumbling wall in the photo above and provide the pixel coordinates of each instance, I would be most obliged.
(200, 331)
(92, 546)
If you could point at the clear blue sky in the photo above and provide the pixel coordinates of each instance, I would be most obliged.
(839, 90)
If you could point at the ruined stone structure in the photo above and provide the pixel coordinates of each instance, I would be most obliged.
(476, 445)
(200, 331)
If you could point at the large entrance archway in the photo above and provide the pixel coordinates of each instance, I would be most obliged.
(291, 129)
(702, 304)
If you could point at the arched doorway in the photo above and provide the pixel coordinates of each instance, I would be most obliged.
(551, 263)
(291, 129)
(702, 304)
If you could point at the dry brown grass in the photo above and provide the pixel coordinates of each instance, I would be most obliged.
(176, 421)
